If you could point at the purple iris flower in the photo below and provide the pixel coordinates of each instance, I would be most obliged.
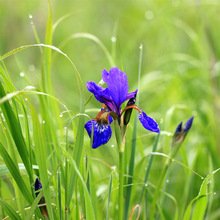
(112, 97)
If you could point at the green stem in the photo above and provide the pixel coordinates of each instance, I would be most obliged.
(121, 178)
(120, 144)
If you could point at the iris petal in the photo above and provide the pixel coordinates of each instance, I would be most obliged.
(148, 122)
(101, 134)
(117, 85)
(132, 94)
(101, 94)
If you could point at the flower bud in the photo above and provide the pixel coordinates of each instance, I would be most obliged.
(179, 135)
(128, 112)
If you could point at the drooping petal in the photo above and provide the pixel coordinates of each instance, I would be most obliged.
(148, 122)
(101, 133)
(117, 85)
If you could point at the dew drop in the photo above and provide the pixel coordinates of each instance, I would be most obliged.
(149, 15)
(61, 115)
(112, 145)
(25, 99)
(113, 168)
(113, 39)
(43, 122)
(140, 47)
(172, 160)
(202, 178)
(146, 184)
(21, 74)
(214, 193)
(167, 181)
(30, 16)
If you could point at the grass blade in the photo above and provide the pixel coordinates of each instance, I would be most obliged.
(41, 159)
(16, 133)
(17, 176)
(109, 195)
(201, 203)
(133, 146)
(11, 212)
(34, 205)
(89, 207)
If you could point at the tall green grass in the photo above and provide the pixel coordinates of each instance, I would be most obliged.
(44, 106)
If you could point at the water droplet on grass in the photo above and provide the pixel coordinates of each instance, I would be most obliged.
(30, 16)
(167, 181)
(61, 115)
(113, 39)
(43, 122)
(214, 193)
(21, 74)
(113, 168)
(146, 184)
(112, 145)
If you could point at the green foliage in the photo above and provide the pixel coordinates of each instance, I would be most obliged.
(45, 62)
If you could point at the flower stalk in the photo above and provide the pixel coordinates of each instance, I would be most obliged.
(119, 140)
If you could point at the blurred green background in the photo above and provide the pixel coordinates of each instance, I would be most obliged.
(180, 66)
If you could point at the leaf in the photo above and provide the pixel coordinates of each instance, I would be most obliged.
(41, 159)
(201, 201)
(14, 171)
(89, 208)
(109, 195)
(10, 211)
(34, 205)
(16, 133)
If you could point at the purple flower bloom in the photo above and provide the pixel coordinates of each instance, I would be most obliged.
(113, 96)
